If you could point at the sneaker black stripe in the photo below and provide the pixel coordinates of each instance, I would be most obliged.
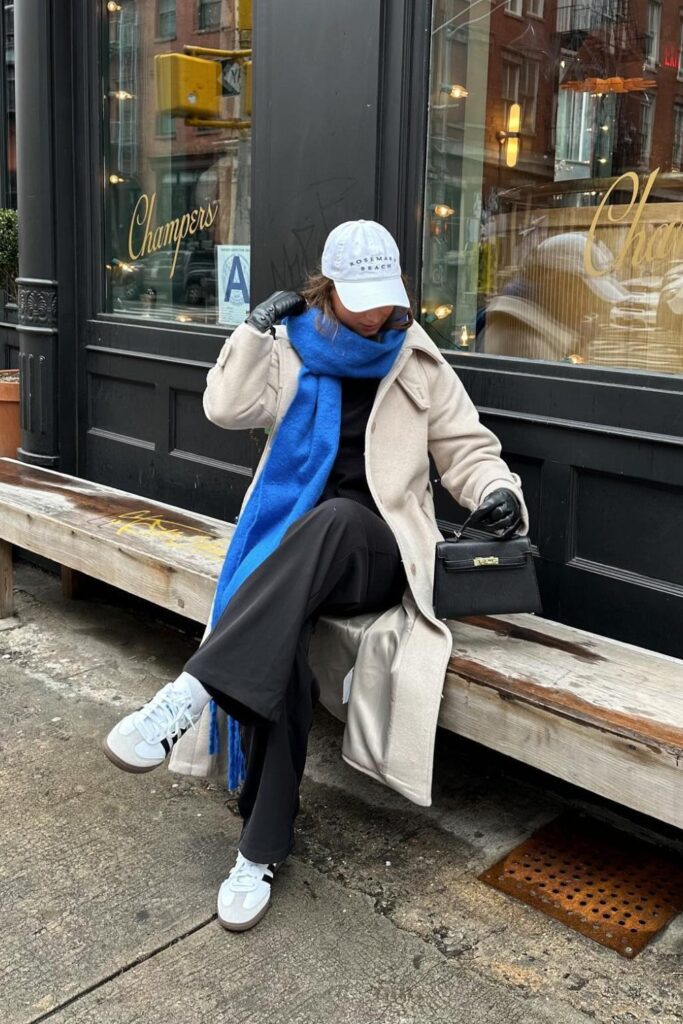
(168, 742)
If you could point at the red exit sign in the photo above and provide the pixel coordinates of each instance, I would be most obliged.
(670, 56)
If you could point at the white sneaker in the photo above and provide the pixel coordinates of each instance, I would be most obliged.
(244, 896)
(143, 740)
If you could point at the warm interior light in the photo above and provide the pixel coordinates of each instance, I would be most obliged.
(514, 118)
(442, 210)
(512, 152)
(113, 7)
(442, 311)
(511, 135)
(455, 91)
(121, 94)
(183, 318)
(116, 179)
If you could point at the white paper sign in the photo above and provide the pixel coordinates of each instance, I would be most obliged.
(233, 264)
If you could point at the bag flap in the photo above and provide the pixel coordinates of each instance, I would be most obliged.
(467, 548)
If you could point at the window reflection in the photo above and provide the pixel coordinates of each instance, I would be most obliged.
(177, 87)
(556, 150)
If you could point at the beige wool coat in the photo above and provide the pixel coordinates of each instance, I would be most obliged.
(399, 657)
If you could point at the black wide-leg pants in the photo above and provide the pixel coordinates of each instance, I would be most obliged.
(340, 558)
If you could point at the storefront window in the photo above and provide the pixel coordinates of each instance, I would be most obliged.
(177, 89)
(554, 187)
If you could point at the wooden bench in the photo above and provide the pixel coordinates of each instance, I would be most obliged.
(598, 713)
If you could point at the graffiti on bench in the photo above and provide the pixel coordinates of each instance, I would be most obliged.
(169, 532)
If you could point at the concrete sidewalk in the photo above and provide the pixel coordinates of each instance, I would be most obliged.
(108, 881)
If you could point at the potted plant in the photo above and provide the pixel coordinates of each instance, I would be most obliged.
(9, 263)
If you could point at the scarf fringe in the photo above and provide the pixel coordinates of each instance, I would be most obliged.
(236, 767)
(214, 732)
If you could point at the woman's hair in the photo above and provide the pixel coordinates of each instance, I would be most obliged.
(318, 293)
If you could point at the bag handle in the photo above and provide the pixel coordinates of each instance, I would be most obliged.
(465, 530)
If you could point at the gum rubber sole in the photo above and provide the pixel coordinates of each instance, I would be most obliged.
(123, 765)
(243, 926)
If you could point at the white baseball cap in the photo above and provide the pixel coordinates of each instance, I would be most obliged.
(363, 260)
(566, 253)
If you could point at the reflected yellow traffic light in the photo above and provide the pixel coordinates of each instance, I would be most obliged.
(187, 86)
(247, 83)
(244, 16)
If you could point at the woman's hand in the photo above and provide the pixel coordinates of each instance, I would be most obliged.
(500, 512)
(278, 305)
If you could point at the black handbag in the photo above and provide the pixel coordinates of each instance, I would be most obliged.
(477, 573)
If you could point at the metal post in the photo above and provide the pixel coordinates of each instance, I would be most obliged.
(37, 298)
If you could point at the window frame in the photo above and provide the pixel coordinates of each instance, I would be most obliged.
(677, 147)
(210, 5)
(649, 103)
(513, 60)
(160, 14)
(654, 39)
(164, 118)
(514, 8)
(529, 101)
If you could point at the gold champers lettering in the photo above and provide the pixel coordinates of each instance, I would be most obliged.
(643, 242)
(145, 238)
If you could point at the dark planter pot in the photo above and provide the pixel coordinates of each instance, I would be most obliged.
(10, 432)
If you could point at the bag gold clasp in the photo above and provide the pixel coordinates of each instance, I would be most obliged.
(491, 560)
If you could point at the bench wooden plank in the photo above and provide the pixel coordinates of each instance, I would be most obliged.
(589, 679)
(598, 713)
(638, 775)
(164, 554)
(152, 528)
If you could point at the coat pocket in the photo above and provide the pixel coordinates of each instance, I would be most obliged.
(414, 387)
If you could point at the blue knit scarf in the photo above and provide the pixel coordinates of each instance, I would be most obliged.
(301, 456)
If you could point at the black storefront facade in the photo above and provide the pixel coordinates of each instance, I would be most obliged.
(478, 138)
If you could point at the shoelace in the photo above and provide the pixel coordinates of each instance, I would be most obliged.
(167, 712)
(246, 875)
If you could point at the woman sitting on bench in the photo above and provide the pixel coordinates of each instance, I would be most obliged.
(339, 520)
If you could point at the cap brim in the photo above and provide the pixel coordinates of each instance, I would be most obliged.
(358, 296)
(605, 289)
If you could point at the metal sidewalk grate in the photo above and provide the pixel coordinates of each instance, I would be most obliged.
(599, 881)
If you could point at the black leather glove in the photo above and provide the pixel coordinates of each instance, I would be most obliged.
(499, 513)
(278, 305)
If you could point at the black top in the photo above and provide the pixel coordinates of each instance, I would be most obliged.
(347, 477)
